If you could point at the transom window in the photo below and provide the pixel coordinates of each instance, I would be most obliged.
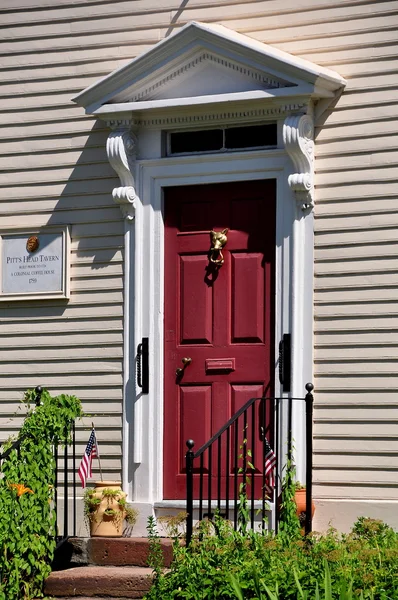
(222, 139)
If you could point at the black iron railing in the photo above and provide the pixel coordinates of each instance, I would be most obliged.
(65, 469)
(65, 479)
(229, 469)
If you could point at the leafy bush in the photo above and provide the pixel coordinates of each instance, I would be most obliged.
(221, 563)
(27, 521)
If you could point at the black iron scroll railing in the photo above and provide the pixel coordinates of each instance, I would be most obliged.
(233, 466)
(64, 480)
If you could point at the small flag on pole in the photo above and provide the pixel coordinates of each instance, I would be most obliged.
(270, 462)
(91, 451)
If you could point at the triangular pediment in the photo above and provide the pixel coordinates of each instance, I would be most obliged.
(201, 64)
(202, 74)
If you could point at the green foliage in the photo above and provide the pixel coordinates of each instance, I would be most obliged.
(289, 524)
(155, 558)
(346, 592)
(224, 564)
(174, 525)
(130, 513)
(27, 524)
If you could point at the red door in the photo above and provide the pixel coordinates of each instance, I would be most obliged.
(219, 317)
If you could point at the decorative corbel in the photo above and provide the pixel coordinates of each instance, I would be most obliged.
(298, 137)
(121, 147)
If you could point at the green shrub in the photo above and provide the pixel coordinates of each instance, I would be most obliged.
(221, 564)
(27, 517)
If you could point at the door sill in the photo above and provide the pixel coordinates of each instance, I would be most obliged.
(182, 505)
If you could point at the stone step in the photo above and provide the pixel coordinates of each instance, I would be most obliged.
(99, 582)
(118, 552)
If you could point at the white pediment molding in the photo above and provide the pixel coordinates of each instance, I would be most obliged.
(207, 74)
(161, 78)
(239, 76)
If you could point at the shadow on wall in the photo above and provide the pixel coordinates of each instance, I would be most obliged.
(86, 203)
(96, 225)
(174, 20)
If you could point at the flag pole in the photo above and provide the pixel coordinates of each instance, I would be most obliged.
(98, 454)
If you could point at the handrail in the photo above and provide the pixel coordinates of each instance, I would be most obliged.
(19, 441)
(14, 446)
(235, 418)
(253, 439)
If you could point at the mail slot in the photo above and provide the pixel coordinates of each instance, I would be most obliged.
(220, 364)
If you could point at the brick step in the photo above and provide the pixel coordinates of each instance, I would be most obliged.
(99, 582)
(118, 552)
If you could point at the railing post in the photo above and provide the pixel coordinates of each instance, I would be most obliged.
(66, 495)
(39, 391)
(309, 405)
(74, 475)
(55, 442)
(189, 467)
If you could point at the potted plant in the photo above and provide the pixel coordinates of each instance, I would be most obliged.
(301, 502)
(106, 509)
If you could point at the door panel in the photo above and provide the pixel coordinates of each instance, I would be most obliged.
(247, 309)
(220, 317)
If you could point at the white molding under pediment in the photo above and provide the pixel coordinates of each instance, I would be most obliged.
(276, 74)
(211, 116)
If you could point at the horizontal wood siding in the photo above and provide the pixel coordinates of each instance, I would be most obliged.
(54, 170)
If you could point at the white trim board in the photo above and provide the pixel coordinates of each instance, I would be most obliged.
(293, 306)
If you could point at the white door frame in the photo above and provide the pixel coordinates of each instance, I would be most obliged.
(144, 278)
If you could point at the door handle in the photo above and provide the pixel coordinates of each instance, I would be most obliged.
(285, 361)
(143, 366)
(186, 361)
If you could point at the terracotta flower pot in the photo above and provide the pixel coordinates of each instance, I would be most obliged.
(300, 500)
(107, 518)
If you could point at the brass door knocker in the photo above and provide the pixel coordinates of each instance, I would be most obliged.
(218, 241)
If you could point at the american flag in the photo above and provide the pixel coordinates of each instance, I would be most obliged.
(91, 451)
(270, 462)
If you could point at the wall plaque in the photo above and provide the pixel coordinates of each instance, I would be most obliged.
(35, 264)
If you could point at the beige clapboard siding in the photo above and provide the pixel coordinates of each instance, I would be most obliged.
(53, 170)
(110, 395)
(108, 422)
(49, 205)
(95, 155)
(241, 18)
(54, 144)
(53, 52)
(355, 421)
(365, 490)
(126, 8)
(356, 476)
(54, 73)
(48, 53)
(356, 207)
(357, 461)
(354, 445)
(81, 173)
